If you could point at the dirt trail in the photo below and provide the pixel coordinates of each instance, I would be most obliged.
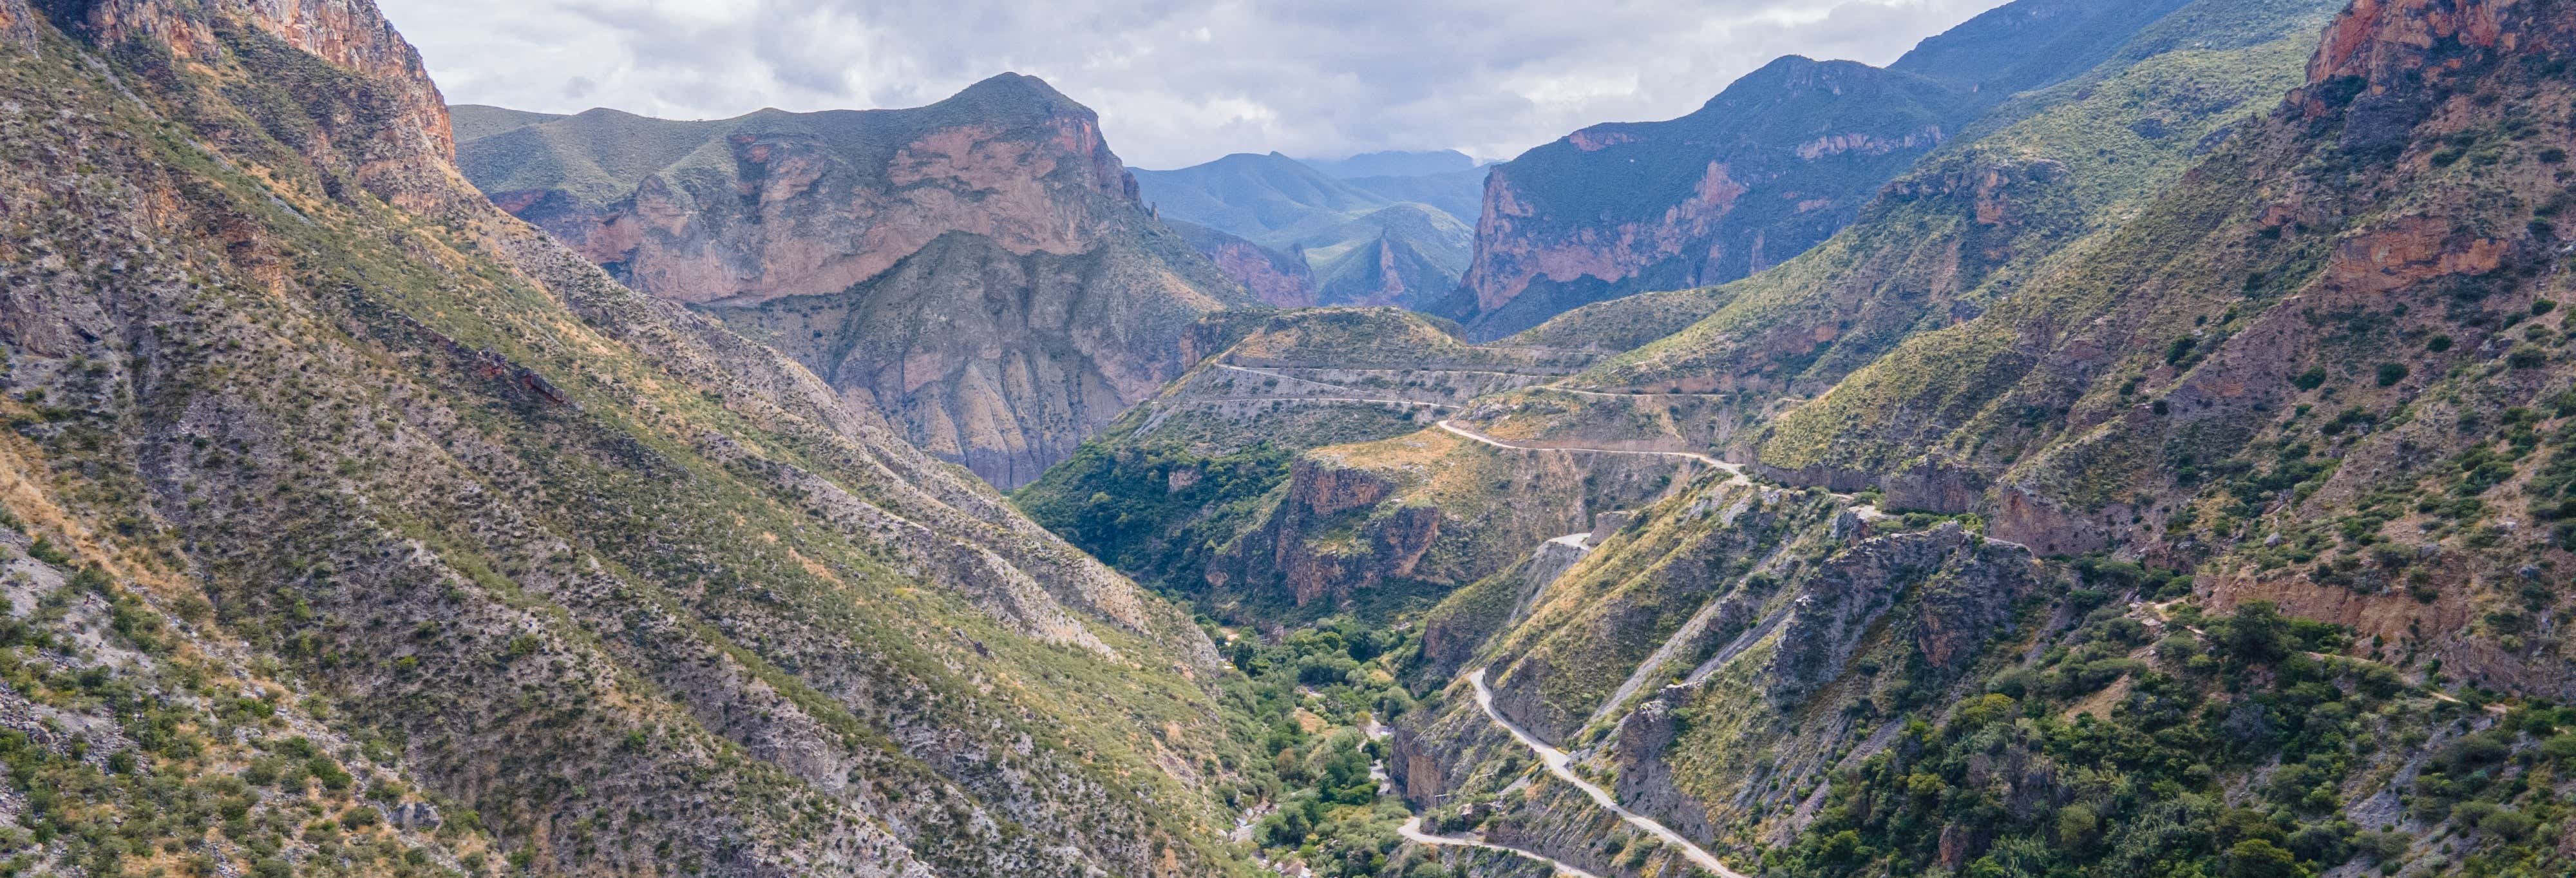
(1562, 766)
(1736, 471)
(1412, 831)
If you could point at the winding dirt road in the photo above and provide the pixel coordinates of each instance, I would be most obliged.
(1735, 470)
(1412, 831)
(1560, 764)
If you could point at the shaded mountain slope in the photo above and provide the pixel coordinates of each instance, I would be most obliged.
(350, 478)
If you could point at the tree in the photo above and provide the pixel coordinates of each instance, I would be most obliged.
(2257, 858)
(2255, 634)
(2077, 826)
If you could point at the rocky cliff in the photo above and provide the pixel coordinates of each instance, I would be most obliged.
(1053, 301)
(1775, 164)
(545, 573)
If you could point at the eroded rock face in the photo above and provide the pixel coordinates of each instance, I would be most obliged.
(1965, 584)
(1703, 199)
(1355, 517)
(980, 268)
(386, 131)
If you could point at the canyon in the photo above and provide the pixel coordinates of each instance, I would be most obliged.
(2114, 439)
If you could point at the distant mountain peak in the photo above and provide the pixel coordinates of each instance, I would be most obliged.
(1395, 163)
(1009, 91)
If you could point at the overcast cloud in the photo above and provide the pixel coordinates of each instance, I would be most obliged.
(1176, 82)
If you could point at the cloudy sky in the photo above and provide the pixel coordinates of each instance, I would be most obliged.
(1176, 81)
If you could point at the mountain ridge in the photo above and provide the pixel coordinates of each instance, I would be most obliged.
(1774, 164)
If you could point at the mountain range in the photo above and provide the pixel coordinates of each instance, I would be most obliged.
(1385, 239)
(2113, 440)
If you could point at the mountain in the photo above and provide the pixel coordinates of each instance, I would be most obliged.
(1459, 194)
(2212, 543)
(2050, 173)
(1775, 164)
(1270, 198)
(2161, 477)
(1369, 241)
(1394, 164)
(472, 122)
(979, 268)
(353, 526)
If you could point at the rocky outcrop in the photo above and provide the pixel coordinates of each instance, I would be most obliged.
(1933, 485)
(1642, 750)
(980, 268)
(386, 130)
(2379, 41)
(1425, 508)
(1276, 279)
(1964, 584)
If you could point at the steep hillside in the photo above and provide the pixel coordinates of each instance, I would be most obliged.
(1775, 164)
(350, 525)
(2219, 543)
(979, 268)
(1366, 241)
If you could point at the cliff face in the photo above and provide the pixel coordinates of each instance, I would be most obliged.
(1002, 203)
(1719, 194)
(385, 130)
(1775, 164)
(398, 490)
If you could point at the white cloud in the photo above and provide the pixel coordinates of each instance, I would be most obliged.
(1175, 82)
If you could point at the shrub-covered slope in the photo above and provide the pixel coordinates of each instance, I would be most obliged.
(2222, 544)
(352, 525)
(2044, 177)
